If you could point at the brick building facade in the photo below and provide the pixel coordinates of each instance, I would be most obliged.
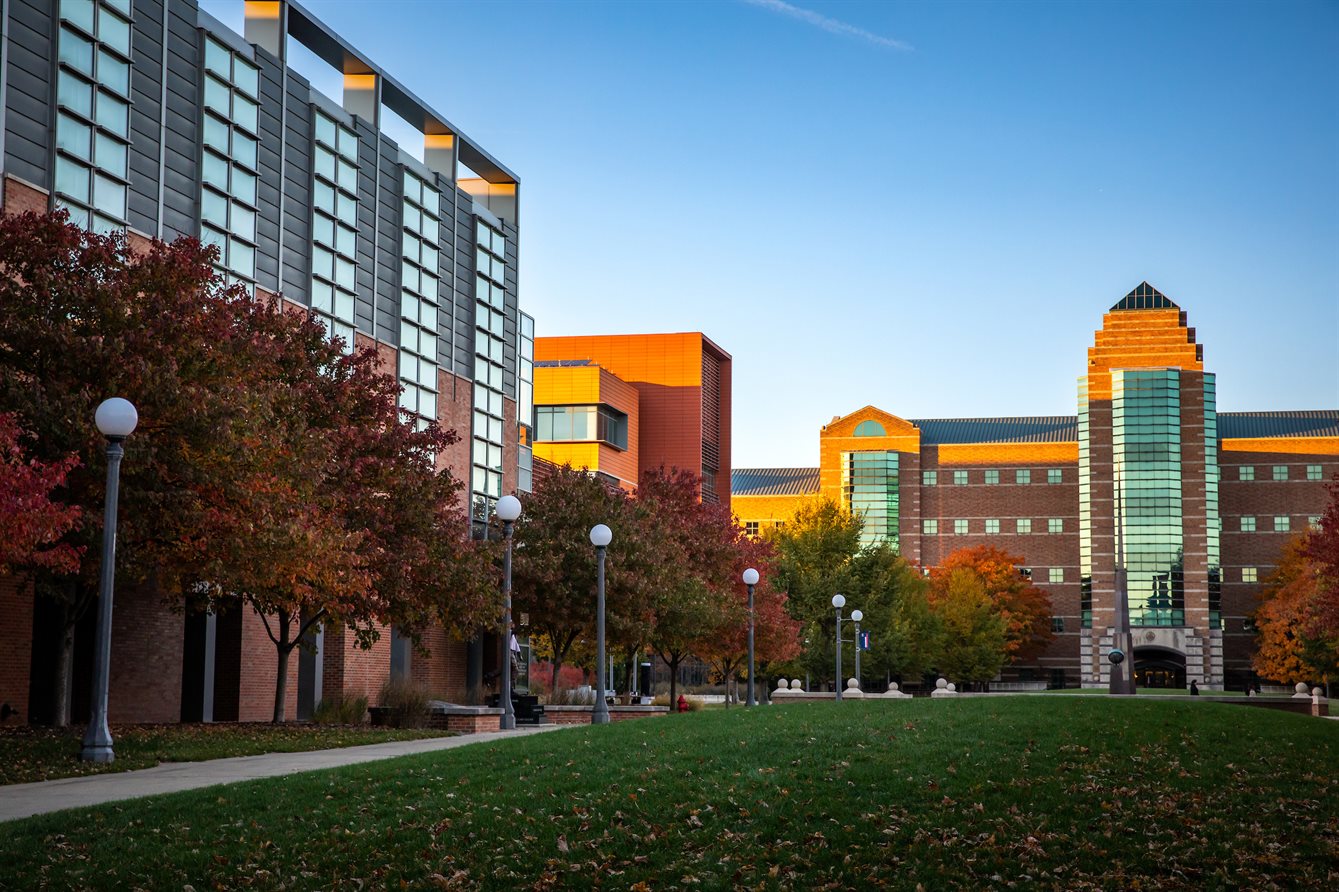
(1207, 499)
(152, 118)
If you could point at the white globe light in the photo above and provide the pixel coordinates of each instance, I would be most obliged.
(857, 615)
(508, 508)
(839, 601)
(601, 535)
(750, 576)
(116, 417)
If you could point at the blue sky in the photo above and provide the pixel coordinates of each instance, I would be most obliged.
(926, 207)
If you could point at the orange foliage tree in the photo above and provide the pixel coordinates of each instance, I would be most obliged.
(1025, 609)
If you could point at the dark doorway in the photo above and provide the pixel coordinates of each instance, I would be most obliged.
(1155, 667)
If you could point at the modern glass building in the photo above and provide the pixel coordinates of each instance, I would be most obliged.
(152, 118)
(1199, 503)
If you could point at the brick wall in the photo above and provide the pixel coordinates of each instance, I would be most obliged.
(20, 197)
(454, 404)
(260, 671)
(353, 672)
(148, 639)
(16, 629)
(442, 671)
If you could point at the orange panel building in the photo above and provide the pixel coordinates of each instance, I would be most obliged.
(624, 404)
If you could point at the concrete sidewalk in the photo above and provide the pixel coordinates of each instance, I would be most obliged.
(25, 800)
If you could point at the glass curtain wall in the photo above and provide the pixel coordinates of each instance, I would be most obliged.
(870, 491)
(525, 403)
(489, 330)
(228, 161)
(334, 225)
(420, 227)
(93, 125)
(1146, 453)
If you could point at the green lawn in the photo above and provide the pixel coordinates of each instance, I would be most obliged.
(38, 754)
(1060, 793)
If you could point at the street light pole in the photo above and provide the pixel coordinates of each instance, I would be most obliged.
(116, 419)
(600, 537)
(838, 602)
(856, 617)
(750, 579)
(508, 510)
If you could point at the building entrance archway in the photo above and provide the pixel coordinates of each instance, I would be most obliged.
(1156, 667)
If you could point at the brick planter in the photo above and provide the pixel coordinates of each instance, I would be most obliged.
(580, 715)
(462, 719)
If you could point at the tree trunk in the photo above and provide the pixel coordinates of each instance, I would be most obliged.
(284, 647)
(60, 716)
(673, 663)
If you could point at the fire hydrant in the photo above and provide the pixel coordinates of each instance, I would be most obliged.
(682, 705)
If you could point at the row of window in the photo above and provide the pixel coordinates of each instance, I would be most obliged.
(1280, 473)
(1022, 525)
(992, 476)
(490, 295)
(581, 423)
(1282, 523)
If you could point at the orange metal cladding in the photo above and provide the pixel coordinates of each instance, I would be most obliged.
(667, 371)
(838, 437)
(1136, 339)
(587, 386)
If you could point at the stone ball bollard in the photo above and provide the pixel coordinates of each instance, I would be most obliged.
(952, 688)
(796, 684)
(852, 684)
(892, 687)
(1302, 691)
(941, 684)
(782, 685)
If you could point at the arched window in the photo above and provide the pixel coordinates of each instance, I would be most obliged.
(870, 429)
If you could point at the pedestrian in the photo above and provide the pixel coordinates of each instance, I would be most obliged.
(1194, 688)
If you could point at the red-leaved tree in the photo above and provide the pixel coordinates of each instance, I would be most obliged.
(1025, 609)
(31, 523)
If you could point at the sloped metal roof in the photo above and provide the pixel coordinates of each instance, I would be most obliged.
(1249, 425)
(1028, 429)
(773, 481)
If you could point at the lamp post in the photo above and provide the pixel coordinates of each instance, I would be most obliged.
(838, 602)
(750, 579)
(600, 537)
(856, 617)
(116, 419)
(508, 510)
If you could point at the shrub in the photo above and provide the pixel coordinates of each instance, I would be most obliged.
(405, 702)
(337, 710)
(541, 679)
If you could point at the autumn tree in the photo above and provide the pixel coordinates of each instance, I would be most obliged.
(694, 541)
(1322, 550)
(1296, 640)
(553, 565)
(915, 635)
(31, 523)
(973, 647)
(1024, 608)
(268, 468)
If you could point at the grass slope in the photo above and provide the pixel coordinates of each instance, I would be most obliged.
(990, 792)
(30, 754)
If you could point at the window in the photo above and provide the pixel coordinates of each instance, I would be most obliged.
(1246, 472)
(993, 476)
(578, 423)
(1057, 624)
(1055, 475)
(525, 403)
(335, 226)
(1313, 472)
(780, 525)
(930, 527)
(1055, 525)
(929, 478)
(1280, 473)
(868, 429)
(1057, 575)
(419, 228)
(1249, 574)
(93, 123)
(1025, 572)
(1313, 521)
(1024, 526)
(1248, 523)
(959, 478)
(1282, 523)
(1023, 475)
(751, 528)
(960, 528)
(992, 526)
